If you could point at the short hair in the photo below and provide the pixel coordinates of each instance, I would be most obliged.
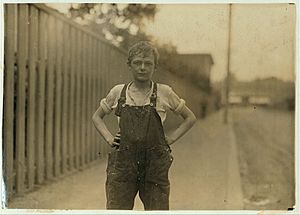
(142, 47)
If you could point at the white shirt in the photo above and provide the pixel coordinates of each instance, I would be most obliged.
(166, 99)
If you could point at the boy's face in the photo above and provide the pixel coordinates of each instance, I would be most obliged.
(142, 67)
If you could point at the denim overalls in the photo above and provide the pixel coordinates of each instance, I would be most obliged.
(141, 163)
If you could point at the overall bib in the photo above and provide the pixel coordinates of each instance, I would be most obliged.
(141, 163)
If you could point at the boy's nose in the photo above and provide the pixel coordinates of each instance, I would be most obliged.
(143, 65)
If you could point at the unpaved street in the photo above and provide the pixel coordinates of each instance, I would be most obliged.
(265, 141)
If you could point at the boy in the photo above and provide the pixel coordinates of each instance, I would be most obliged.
(142, 156)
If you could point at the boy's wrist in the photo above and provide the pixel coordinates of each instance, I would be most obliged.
(169, 140)
(109, 140)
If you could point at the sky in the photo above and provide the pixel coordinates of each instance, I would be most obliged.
(262, 36)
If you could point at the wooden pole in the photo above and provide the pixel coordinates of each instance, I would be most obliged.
(228, 68)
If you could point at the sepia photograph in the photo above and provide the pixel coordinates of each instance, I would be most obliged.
(149, 107)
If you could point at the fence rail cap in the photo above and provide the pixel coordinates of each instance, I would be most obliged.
(71, 22)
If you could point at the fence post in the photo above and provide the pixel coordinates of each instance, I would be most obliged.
(78, 105)
(98, 93)
(104, 81)
(65, 96)
(94, 99)
(58, 96)
(31, 122)
(51, 39)
(88, 109)
(10, 23)
(71, 114)
(41, 91)
(21, 97)
(84, 99)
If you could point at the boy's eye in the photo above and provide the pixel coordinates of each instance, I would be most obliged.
(148, 64)
(139, 63)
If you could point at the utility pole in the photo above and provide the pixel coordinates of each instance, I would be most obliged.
(227, 81)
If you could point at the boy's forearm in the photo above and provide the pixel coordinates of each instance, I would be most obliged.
(102, 129)
(181, 130)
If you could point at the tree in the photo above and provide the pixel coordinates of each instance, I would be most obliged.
(122, 24)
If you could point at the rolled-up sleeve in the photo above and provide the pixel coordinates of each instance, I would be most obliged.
(109, 101)
(176, 103)
(105, 106)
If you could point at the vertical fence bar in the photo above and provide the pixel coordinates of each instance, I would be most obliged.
(99, 91)
(114, 66)
(65, 96)
(92, 99)
(50, 96)
(75, 122)
(106, 80)
(88, 110)
(111, 67)
(31, 111)
(88, 77)
(21, 97)
(104, 83)
(97, 96)
(79, 71)
(71, 104)
(40, 128)
(58, 96)
(93, 107)
(102, 92)
(105, 69)
(10, 25)
(84, 98)
(103, 86)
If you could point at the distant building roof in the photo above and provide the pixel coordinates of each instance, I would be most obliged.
(200, 62)
(197, 56)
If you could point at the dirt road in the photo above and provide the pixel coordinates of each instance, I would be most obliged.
(265, 142)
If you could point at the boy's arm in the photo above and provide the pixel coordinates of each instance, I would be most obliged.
(101, 127)
(188, 122)
(105, 108)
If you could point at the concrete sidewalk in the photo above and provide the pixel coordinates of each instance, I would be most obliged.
(204, 176)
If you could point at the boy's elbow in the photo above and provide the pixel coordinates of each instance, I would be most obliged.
(193, 119)
(95, 117)
(98, 116)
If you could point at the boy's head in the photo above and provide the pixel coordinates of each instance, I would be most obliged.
(142, 49)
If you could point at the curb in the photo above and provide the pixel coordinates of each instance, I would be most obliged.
(234, 194)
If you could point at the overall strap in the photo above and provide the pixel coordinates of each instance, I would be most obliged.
(121, 101)
(154, 95)
(123, 92)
